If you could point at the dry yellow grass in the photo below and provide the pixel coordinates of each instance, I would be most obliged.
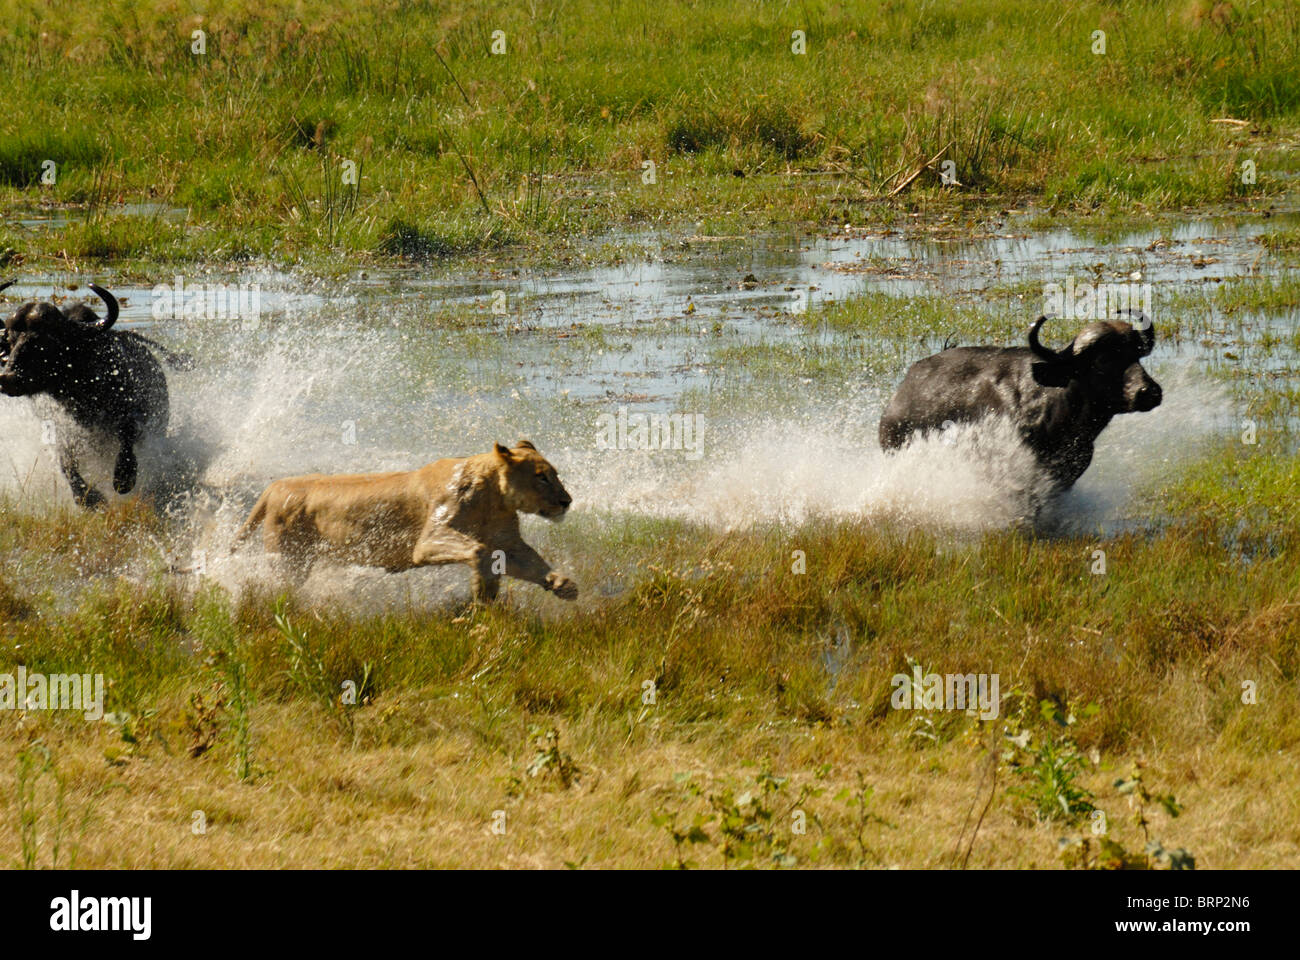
(431, 803)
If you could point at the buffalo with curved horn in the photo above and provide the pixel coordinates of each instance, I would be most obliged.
(1059, 400)
(107, 381)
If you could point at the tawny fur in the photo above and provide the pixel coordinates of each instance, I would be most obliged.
(452, 511)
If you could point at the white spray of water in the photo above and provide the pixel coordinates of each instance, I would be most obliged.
(827, 462)
(788, 471)
(239, 424)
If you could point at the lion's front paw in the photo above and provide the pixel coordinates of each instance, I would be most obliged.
(561, 586)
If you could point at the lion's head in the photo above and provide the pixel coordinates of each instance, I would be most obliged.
(529, 482)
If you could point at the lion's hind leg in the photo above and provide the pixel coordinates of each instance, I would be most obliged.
(294, 550)
(296, 560)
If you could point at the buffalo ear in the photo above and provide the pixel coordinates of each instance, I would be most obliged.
(39, 316)
(1050, 374)
(502, 452)
(525, 444)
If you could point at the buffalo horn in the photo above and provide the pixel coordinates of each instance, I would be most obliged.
(1040, 351)
(110, 301)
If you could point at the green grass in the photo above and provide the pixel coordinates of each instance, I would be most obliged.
(456, 149)
(907, 319)
(1282, 241)
(405, 239)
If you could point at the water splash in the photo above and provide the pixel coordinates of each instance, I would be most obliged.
(351, 378)
(289, 411)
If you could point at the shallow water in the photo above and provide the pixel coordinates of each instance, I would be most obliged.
(38, 217)
(356, 375)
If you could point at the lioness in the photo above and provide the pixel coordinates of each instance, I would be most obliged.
(451, 511)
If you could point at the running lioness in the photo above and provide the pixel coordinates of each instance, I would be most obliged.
(451, 511)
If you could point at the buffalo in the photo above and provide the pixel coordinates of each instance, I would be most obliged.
(1059, 401)
(107, 381)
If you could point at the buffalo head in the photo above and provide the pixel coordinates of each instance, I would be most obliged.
(42, 343)
(1105, 359)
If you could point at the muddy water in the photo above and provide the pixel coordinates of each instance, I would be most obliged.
(390, 369)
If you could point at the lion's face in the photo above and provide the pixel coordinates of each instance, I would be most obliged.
(530, 483)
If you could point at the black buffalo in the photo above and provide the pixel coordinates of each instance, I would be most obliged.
(106, 380)
(1058, 400)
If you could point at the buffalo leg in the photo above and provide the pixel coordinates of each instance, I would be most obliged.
(125, 469)
(82, 492)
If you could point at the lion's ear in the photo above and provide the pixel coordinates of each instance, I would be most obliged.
(525, 444)
(502, 452)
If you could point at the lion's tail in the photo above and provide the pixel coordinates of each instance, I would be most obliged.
(254, 520)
